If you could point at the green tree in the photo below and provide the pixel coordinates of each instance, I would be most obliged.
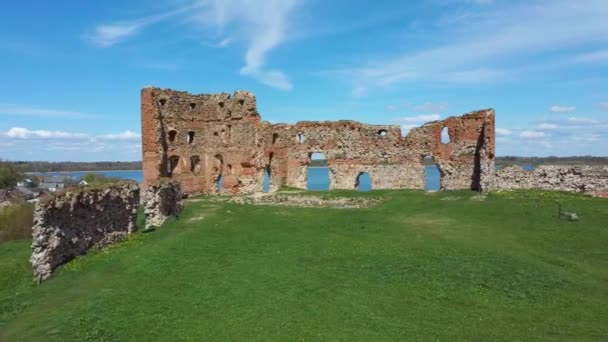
(9, 176)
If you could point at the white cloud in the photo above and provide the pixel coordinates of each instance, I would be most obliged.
(546, 125)
(503, 132)
(11, 109)
(473, 53)
(126, 135)
(562, 109)
(532, 134)
(418, 118)
(582, 120)
(431, 107)
(24, 133)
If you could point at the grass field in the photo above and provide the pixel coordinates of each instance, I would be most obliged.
(419, 266)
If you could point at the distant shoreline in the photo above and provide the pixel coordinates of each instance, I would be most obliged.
(38, 172)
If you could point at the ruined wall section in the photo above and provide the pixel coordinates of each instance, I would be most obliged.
(72, 222)
(467, 160)
(350, 148)
(587, 179)
(162, 200)
(202, 139)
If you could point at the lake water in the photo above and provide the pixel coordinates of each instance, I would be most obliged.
(318, 177)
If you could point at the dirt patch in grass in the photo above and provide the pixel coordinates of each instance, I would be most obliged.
(306, 201)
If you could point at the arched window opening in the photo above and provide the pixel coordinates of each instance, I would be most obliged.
(301, 137)
(195, 164)
(432, 176)
(172, 163)
(162, 102)
(215, 134)
(382, 133)
(221, 104)
(192, 105)
(317, 173)
(172, 135)
(445, 136)
(275, 137)
(230, 169)
(385, 156)
(190, 137)
(363, 182)
(242, 102)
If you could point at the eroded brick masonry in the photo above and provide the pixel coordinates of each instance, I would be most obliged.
(200, 139)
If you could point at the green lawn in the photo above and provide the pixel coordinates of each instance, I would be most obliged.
(417, 267)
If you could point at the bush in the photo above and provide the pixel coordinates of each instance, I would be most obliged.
(16, 222)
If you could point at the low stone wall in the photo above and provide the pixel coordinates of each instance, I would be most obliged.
(162, 200)
(586, 179)
(69, 223)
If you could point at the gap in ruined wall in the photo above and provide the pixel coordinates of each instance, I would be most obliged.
(432, 175)
(218, 172)
(172, 163)
(445, 136)
(172, 135)
(317, 178)
(363, 182)
(266, 182)
(275, 137)
(195, 164)
(382, 132)
(190, 137)
(301, 138)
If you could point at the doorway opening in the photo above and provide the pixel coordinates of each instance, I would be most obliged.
(432, 175)
(317, 173)
(363, 182)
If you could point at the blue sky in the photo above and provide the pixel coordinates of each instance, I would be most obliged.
(72, 70)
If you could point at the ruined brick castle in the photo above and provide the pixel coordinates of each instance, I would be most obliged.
(200, 139)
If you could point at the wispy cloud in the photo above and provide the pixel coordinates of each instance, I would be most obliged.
(562, 109)
(431, 107)
(12, 109)
(262, 24)
(106, 35)
(521, 31)
(502, 132)
(532, 134)
(126, 135)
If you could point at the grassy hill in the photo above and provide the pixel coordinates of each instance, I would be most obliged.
(442, 266)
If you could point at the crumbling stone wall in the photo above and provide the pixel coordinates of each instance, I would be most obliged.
(218, 144)
(70, 223)
(162, 199)
(586, 179)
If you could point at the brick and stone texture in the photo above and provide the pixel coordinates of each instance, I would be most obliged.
(70, 223)
(587, 179)
(199, 140)
(162, 199)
